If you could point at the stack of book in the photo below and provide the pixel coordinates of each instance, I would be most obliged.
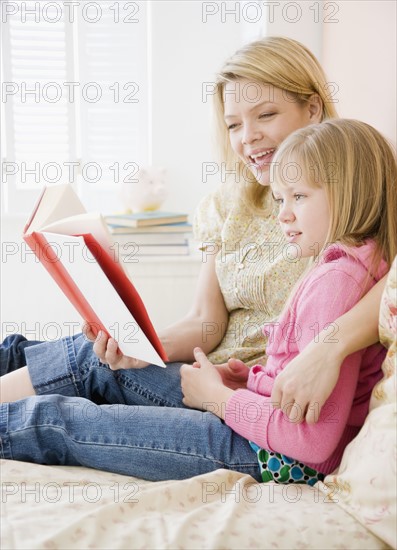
(151, 233)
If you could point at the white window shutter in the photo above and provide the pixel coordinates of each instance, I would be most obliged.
(113, 71)
(40, 122)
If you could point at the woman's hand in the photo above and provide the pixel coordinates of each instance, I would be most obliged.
(307, 382)
(108, 351)
(310, 378)
(203, 387)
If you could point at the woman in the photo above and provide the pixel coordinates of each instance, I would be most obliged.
(266, 90)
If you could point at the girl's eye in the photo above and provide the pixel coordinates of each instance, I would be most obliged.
(279, 202)
(266, 115)
(232, 126)
(298, 196)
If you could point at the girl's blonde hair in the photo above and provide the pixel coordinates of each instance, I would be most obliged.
(276, 61)
(357, 167)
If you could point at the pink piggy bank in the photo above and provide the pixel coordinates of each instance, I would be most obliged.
(148, 193)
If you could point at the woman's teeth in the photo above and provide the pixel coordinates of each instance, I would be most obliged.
(257, 156)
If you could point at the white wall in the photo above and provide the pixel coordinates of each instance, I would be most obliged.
(188, 47)
(359, 55)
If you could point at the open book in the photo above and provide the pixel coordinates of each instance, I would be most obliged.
(76, 249)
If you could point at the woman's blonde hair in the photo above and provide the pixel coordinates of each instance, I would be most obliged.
(276, 61)
(357, 167)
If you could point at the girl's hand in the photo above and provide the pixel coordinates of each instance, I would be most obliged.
(307, 381)
(234, 373)
(108, 351)
(202, 386)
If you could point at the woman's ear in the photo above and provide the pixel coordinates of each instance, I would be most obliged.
(316, 107)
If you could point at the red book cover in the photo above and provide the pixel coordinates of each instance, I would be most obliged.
(49, 259)
(101, 293)
(126, 291)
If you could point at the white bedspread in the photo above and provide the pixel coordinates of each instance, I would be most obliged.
(60, 507)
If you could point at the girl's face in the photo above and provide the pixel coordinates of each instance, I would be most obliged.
(259, 117)
(304, 216)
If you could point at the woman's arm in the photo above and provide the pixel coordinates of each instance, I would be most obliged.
(308, 380)
(203, 326)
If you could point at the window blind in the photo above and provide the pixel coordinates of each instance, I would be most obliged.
(39, 122)
(113, 71)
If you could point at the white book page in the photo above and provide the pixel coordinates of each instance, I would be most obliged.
(84, 223)
(57, 202)
(102, 297)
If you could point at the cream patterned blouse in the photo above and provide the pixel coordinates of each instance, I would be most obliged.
(255, 271)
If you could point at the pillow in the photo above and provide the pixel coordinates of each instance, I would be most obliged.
(365, 484)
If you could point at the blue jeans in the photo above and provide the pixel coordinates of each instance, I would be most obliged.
(128, 421)
(12, 353)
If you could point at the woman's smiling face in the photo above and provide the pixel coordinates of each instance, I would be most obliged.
(259, 117)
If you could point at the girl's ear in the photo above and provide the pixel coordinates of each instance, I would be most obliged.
(315, 106)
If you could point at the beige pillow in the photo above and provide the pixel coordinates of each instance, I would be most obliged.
(365, 484)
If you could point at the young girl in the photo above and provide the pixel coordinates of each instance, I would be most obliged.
(334, 183)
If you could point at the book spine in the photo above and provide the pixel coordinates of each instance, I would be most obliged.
(36, 207)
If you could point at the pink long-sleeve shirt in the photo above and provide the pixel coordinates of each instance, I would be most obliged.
(333, 287)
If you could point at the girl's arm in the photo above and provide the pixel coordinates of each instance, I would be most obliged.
(330, 293)
(327, 295)
(203, 326)
(309, 379)
(203, 386)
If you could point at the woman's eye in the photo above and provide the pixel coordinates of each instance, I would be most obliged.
(232, 126)
(267, 115)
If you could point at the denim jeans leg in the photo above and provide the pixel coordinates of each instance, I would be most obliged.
(70, 367)
(12, 352)
(154, 443)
